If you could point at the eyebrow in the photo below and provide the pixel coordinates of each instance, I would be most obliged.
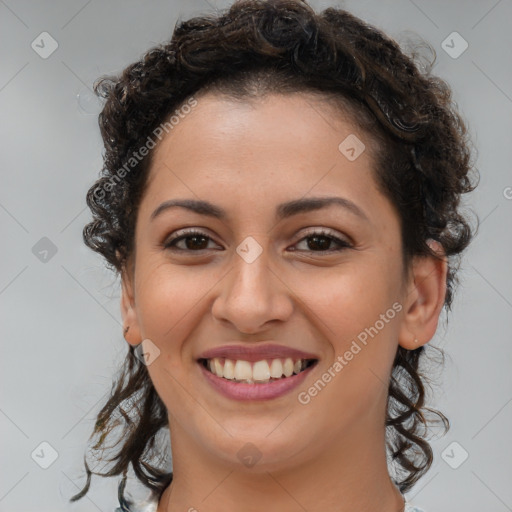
(284, 210)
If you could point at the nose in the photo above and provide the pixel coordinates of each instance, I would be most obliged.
(252, 296)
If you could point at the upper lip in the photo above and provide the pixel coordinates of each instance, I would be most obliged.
(256, 353)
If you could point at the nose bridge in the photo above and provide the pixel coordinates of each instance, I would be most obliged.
(252, 272)
(252, 294)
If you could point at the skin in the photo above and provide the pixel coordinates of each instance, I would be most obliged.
(247, 158)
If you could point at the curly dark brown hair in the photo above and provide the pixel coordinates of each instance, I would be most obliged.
(423, 165)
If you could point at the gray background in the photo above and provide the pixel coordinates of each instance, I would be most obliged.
(60, 315)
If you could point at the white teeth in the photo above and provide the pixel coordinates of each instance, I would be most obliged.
(260, 371)
(217, 367)
(288, 367)
(276, 369)
(242, 370)
(229, 369)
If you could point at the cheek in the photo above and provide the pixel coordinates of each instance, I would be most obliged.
(169, 300)
(356, 372)
(348, 299)
(357, 313)
(170, 304)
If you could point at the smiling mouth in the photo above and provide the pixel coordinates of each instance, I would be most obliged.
(258, 372)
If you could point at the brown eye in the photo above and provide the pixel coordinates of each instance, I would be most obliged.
(194, 241)
(321, 241)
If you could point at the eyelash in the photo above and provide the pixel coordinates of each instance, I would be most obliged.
(170, 244)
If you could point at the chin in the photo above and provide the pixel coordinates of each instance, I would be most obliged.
(260, 452)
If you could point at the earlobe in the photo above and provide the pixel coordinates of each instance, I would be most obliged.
(425, 299)
(131, 331)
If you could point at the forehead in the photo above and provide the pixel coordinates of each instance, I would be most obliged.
(269, 150)
(264, 123)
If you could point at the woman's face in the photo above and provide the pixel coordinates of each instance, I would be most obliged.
(266, 274)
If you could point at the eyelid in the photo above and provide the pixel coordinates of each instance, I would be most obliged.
(343, 241)
(326, 232)
(183, 233)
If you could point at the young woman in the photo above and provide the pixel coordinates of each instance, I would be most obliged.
(280, 197)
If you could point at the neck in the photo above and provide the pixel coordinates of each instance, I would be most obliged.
(349, 475)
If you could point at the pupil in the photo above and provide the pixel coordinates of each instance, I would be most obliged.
(195, 238)
(315, 239)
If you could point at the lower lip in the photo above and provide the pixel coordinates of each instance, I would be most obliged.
(258, 391)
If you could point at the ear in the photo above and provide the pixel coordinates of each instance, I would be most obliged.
(425, 298)
(131, 328)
